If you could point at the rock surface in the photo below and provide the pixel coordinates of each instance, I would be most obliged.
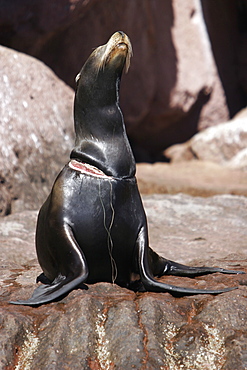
(224, 144)
(173, 87)
(197, 178)
(107, 327)
(221, 143)
(226, 26)
(36, 130)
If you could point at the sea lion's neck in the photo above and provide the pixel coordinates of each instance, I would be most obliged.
(101, 138)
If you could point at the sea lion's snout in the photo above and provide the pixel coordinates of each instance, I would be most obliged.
(118, 48)
(113, 55)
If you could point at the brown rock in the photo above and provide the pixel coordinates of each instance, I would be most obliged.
(197, 178)
(110, 327)
(35, 133)
(183, 338)
(173, 87)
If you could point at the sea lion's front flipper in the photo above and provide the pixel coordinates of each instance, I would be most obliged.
(162, 266)
(147, 275)
(47, 293)
(74, 273)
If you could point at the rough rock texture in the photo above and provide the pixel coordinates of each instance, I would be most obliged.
(35, 130)
(173, 87)
(224, 144)
(107, 327)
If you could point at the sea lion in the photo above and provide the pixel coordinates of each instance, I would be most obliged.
(93, 225)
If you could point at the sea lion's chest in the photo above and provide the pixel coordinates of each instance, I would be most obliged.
(93, 203)
(105, 215)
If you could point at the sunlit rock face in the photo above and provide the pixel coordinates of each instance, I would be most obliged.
(36, 131)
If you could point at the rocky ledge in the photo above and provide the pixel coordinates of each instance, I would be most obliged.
(108, 327)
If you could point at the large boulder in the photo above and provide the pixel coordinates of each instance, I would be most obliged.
(173, 87)
(107, 327)
(224, 144)
(221, 143)
(36, 130)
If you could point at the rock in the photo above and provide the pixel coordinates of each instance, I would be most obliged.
(164, 99)
(17, 236)
(239, 160)
(108, 327)
(189, 29)
(221, 143)
(35, 132)
(211, 227)
(197, 178)
(179, 153)
(241, 114)
(225, 24)
(224, 144)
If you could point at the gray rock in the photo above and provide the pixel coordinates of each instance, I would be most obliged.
(224, 144)
(184, 228)
(221, 143)
(107, 327)
(35, 130)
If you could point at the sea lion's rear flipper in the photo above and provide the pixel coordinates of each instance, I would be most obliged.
(147, 275)
(162, 266)
(75, 273)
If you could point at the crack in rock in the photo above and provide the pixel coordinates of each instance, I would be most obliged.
(145, 334)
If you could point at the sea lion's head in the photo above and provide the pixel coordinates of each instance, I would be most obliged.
(101, 140)
(99, 78)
